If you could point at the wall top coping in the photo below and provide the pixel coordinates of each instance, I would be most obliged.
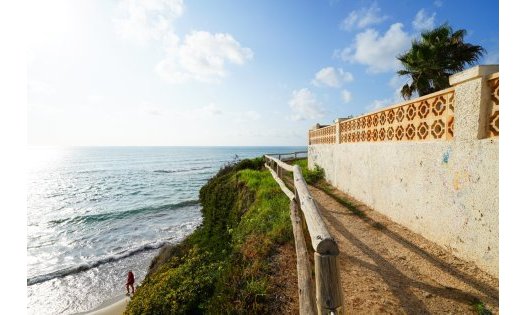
(472, 73)
(455, 79)
(414, 100)
(318, 126)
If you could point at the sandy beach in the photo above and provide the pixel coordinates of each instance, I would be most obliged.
(112, 307)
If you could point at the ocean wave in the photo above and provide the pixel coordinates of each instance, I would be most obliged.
(183, 170)
(122, 214)
(83, 267)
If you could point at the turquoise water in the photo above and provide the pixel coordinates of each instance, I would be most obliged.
(95, 213)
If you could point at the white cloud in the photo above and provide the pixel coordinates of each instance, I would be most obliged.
(40, 87)
(332, 77)
(346, 96)
(154, 112)
(394, 99)
(376, 51)
(423, 21)
(363, 18)
(305, 106)
(377, 104)
(152, 109)
(438, 3)
(210, 109)
(244, 117)
(142, 21)
(95, 98)
(202, 57)
(251, 115)
(396, 82)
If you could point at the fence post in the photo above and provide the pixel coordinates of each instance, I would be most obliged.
(329, 293)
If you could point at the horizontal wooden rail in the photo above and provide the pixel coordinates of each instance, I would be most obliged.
(280, 155)
(321, 239)
(280, 163)
(289, 153)
(329, 296)
(281, 184)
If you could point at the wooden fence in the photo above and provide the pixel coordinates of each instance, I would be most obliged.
(323, 295)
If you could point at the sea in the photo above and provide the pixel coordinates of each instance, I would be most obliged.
(94, 213)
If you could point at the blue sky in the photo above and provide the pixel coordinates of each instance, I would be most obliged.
(162, 72)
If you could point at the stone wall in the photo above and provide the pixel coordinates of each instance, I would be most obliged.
(443, 185)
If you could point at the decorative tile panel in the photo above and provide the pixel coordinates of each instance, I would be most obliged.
(493, 121)
(429, 118)
(325, 135)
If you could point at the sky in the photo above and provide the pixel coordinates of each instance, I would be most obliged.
(174, 72)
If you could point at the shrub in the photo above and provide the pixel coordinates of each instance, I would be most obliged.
(313, 176)
(224, 266)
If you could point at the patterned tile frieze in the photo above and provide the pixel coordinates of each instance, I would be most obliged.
(493, 121)
(424, 119)
(325, 135)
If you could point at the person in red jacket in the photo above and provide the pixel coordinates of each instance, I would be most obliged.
(130, 282)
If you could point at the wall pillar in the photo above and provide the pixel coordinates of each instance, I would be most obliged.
(472, 96)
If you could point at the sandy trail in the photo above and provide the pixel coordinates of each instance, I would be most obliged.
(387, 269)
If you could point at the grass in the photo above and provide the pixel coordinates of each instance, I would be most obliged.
(310, 176)
(480, 308)
(226, 264)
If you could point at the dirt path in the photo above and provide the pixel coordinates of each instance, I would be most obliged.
(386, 269)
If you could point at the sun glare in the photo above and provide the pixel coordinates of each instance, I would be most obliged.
(49, 21)
(41, 156)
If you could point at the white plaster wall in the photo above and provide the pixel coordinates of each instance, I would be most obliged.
(447, 191)
(444, 190)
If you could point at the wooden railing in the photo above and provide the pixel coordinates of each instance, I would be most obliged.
(289, 156)
(324, 294)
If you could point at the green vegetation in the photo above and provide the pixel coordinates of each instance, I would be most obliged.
(310, 176)
(225, 266)
(438, 54)
(480, 308)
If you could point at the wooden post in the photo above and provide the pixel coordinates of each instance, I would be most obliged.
(305, 284)
(329, 293)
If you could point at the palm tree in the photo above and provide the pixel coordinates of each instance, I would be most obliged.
(431, 60)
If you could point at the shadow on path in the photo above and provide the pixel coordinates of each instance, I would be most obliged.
(399, 283)
(491, 293)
